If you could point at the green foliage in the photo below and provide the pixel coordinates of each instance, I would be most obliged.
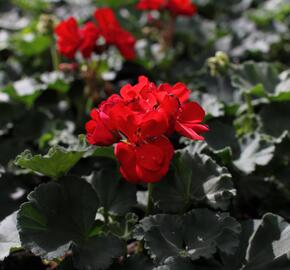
(189, 236)
(61, 216)
(225, 202)
(195, 179)
(57, 162)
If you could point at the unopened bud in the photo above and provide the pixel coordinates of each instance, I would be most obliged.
(46, 23)
(218, 64)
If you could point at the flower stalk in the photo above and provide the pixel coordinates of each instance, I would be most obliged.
(150, 204)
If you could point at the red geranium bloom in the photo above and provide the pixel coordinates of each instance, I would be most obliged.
(139, 119)
(71, 38)
(182, 7)
(90, 34)
(151, 4)
(145, 163)
(114, 34)
(176, 7)
(188, 122)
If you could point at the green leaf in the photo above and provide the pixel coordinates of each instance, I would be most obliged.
(138, 261)
(196, 178)
(60, 216)
(33, 6)
(29, 44)
(258, 78)
(275, 118)
(57, 162)
(199, 233)
(238, 259)
(97, 253)
(221, 135)
(55, 80)
(27, 97)
(115, 3)
(264, 245)
(9, 237)
(186, 264)
(115, 194)
(123, 226)
(270, 246)
(107, 152)
(255, 151)
(57, 214)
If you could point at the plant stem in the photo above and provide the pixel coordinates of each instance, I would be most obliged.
(248, 99)
(54, 57)
(168, 32)
(150, 205)
(250, 110)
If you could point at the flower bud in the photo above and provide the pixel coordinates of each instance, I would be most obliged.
(218, 64)
(46, 23)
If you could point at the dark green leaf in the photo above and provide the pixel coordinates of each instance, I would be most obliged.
(275, 118)
(190, 236)
(138, 261)
(270, 246)
(196, 178)
(255, 151)
(238, 259)
(98, 252)
(60, 216)
(221, 135)
(57, 214)
(115, 194)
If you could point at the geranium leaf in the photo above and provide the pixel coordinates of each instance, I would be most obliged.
(258, 78)
(270, 246)
(115, 194)
(189, 236)
(57, 214)
(138, 261)
(97, 252)
(255, 151)
(9, 237)
(60, 216)
(221, 135)
(274, 117)
(57, 162)
(238, 259)
(195, 178)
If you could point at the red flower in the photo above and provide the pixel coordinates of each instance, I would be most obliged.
(188, 122)
(71, 38)
(182, 7)
(176, 7)
(141, 118)
(145, 163)
(114, 34)
(90, 34)
(151, 4)
(97, 131)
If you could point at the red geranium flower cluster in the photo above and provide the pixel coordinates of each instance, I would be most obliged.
(176, 7)
(72, 38)
(140, 120)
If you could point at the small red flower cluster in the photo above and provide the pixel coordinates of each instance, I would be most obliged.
(72, 38)
(176, 7)
(139, 121)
